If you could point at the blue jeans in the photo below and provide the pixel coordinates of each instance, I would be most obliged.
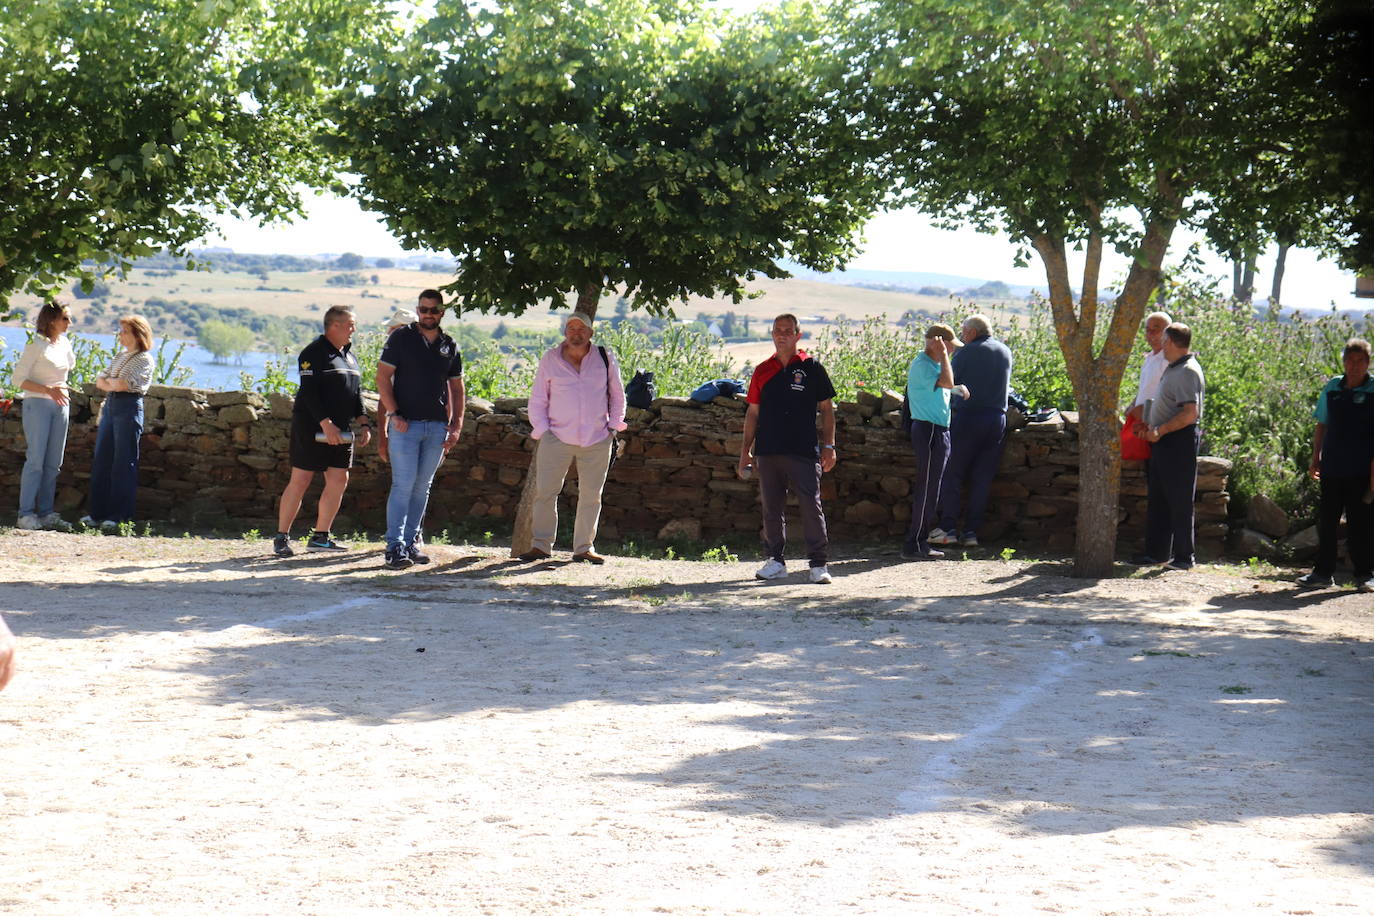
(45, 431)
(114, 469)
(415, 455)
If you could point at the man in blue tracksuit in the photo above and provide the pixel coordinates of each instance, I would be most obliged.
(983, 366)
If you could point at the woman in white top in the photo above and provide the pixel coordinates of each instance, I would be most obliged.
(41, 374)
(114, 469)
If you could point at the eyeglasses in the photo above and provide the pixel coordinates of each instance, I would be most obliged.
(429, 310)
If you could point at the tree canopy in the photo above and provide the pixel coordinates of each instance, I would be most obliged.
(572, 146)
(126, 125)
(1085, 125)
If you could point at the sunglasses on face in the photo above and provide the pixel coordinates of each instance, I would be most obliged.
(429, 310)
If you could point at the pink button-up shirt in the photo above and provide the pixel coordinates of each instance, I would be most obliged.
(579, 405)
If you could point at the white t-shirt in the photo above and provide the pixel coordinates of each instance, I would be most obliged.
(1150, 372)
(44, 362)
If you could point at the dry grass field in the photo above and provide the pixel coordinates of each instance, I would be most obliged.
(306, 294)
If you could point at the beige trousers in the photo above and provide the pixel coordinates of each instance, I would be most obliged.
(551, 463)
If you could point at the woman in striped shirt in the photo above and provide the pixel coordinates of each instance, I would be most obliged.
(114, 469)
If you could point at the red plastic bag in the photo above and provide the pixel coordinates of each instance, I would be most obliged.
(1133, 448)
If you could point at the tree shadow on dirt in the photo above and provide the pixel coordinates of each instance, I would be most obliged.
(1005, 704)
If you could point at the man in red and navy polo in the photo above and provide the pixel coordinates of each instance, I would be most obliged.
(785, 393)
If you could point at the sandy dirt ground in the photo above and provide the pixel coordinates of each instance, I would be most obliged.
(198, 728)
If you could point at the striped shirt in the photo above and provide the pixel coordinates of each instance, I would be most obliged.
(134, 367)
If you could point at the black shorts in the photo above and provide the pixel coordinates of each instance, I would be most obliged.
(309, 455)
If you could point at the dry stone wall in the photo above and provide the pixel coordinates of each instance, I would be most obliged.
(214, 457)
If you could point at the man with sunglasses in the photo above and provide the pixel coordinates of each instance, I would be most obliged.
(420, 386)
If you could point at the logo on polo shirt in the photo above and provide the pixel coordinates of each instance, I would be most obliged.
(798, 380)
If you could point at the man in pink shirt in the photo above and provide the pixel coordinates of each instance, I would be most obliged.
(576, 406)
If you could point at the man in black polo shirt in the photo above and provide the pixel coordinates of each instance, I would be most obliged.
(329, 400)
(420, 385)
(785, 392)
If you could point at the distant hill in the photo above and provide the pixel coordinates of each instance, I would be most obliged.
(911, 281)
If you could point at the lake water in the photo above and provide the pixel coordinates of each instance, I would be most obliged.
(205, 373)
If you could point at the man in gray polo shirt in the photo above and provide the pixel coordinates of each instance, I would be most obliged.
(1173, 430)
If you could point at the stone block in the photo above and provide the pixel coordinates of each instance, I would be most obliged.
(895, 486)
(258, 462)
(1251, 543)
(891, 401)
(734, 403)
(1266, 517)
(639, 415)
(1209, 464)
(684, 528)
(479, 407)
(281, 405)
(509, 476)
(229, 398)
(238, 414)
(169, 392)
(181, 411)
(867, 512)
(691, 416)
(509, 405)
(505, 457)
(1302, 544)
(658, 403)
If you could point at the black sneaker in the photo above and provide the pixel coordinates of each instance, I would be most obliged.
(281, 546)
(415, 553)
(398, 558)
(323, 541)
(922, 553)
(1316, 579)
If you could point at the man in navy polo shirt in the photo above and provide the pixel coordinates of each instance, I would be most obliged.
(420, 386)
(328, 402)
(785, 392)
(979, 421)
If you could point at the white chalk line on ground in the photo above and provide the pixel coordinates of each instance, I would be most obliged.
(317, 614)
(930, 791)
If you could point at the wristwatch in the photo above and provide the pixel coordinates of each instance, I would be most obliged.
(831, 447)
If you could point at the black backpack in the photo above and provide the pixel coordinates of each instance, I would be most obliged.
(640, 391)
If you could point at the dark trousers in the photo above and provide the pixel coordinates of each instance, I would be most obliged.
(975, 449)
(930, 445)
(114, 468)
(1172, 481)
(1344, 495)
(803, 475)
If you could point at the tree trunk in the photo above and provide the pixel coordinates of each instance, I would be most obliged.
(522, 538)
(1099, 480)
(1247, 279)
(1097, 381)
(1237, 287)
(1280, 262)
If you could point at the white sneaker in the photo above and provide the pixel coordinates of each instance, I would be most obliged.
(89, 522)
(820, 576)
(941, 536)
(970, 540)
(55, 522)
(773, 569)
(28, 523)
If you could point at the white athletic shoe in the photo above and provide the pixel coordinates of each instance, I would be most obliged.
(942, 537)
(820, 575)
(55, 522)
(28, 523)
(773, 569)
